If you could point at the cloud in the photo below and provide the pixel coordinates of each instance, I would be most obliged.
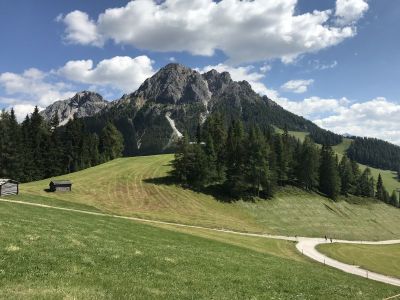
(350, 11)
(247, 73)
(32, 87)
(246, 31)
(374, 118)
(317, 65)
(297, 86)
(120, 72)
(80, 29)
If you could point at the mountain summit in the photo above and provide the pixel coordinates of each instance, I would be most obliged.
(83, 104)
(175, 84)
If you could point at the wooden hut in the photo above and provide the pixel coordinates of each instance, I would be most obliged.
(9, 187)
(61, 186)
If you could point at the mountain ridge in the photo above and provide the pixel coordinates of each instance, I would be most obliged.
(175, 100)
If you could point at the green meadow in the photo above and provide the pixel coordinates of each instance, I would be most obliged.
(137, 187)
(382, 259)
(52, 254)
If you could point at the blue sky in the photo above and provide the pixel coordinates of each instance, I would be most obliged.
(335, 62)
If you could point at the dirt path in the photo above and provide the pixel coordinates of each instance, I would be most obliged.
(307, 246)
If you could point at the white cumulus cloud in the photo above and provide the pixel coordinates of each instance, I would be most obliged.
(245, 30)
(350, 11)
(297, 86)
(120, 72)
(374, 118)
(34, 84)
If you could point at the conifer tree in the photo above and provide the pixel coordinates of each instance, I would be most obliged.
(212, 174)
(281, 160)
(308, 165)
(329, 180)
(215, 126)
(380, 190)
(180, 163)
(346, 176)
(235, 157)
(256, 164)
(111, 142)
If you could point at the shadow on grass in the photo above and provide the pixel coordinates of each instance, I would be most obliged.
(216, 191)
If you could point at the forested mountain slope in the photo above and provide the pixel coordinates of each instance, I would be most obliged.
(375, 153)
(177, 99)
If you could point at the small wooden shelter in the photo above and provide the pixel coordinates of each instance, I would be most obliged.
(9, 187)
(61, 186)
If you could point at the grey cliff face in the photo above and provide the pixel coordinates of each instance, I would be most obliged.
(175, 84)
(83, 104)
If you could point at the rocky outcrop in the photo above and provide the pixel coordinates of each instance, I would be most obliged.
(83, 104)
(175, 84)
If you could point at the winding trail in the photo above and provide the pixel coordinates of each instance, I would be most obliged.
(305, 245)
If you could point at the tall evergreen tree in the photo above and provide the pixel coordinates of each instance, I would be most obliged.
(346, 175)
(256, 164)
(235, 158)
(380, 190)
(329, 180)
(308, 165)
(111, 142)
(180, 163)
(215, 126)
(281, 160)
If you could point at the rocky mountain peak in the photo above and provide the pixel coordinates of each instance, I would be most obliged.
(83, 104)
(175, 84)
(85, 97)
(216, 81)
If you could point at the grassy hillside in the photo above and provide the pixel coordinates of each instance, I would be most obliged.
(137, 187)
(383, 259)
(51, 254)
(389, 177)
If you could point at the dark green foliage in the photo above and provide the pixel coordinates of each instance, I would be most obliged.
(329, 180)
(366, 184)
(235, 160)
(308, 165)
(215, 127)
(281, 160)
(346, 176)
(258, 174)
(250, 163)
(375, 153)
(380, 190)
(34, 149)
(111, 142)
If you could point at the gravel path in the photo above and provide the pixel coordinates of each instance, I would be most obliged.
(306, 245)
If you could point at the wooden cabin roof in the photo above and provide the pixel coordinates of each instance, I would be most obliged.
(61, 182)
(4, 181)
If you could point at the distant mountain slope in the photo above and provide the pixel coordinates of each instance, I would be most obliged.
(83, 104)
(180, 96)
(375, 153)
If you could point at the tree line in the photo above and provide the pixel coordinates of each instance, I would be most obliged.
(250, 162)
(36, 149)
(375, 153)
